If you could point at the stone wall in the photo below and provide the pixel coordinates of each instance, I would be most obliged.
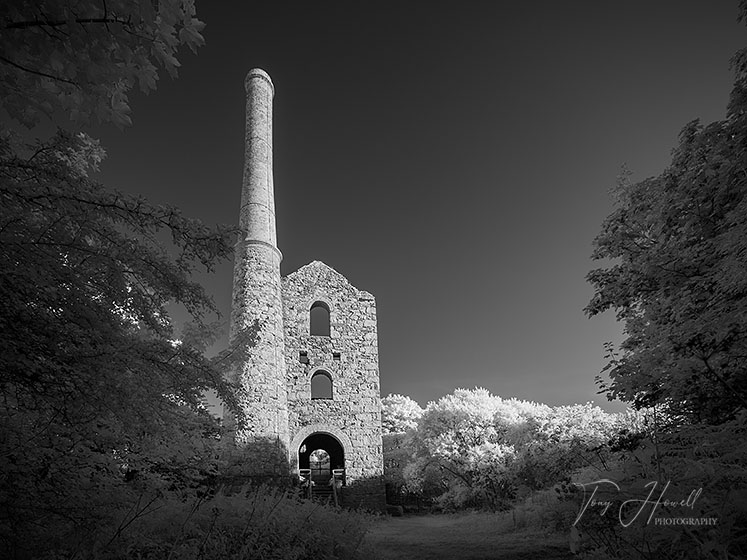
(350, 357)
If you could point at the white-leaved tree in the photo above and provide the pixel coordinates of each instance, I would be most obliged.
(472, 448)
(399, 414)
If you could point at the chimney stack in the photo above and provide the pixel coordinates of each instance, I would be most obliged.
(257, 195)
(257, 296)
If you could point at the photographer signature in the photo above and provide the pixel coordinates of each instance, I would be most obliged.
(640, 504)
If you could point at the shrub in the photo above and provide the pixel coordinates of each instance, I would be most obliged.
(257, 522)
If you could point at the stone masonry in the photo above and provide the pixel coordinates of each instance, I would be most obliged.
(276, 371)
(350, 357)
(257, 298)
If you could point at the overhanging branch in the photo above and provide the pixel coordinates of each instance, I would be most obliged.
(60, 23)
(37, 72)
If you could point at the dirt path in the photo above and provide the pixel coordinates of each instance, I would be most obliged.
(461, 537)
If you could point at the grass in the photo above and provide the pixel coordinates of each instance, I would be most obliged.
(465, 536)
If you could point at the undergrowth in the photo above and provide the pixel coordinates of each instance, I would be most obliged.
(261, 522)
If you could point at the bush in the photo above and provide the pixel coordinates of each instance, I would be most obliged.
(259, 522)
(697, 463)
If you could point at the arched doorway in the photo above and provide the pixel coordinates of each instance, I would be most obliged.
(323, 455)
(319, 463)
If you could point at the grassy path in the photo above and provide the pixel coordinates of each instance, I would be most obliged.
(476, 536)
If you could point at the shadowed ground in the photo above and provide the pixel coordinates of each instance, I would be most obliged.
(476, 536)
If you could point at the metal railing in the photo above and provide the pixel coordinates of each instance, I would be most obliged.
(306, 482)
(337, 481)
(304, 479)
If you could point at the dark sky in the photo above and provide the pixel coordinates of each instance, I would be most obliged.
(452, 158)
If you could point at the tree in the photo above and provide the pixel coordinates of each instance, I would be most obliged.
(399, 414)
(100, 403)
(472, 448)
(82, 57)
(465, 435)
(563, 440)
(679, 242)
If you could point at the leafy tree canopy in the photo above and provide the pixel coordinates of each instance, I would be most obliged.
(95, 390)
(399, 414)
(679, 244)
(100, 404)
(475, 448)
(82, 57)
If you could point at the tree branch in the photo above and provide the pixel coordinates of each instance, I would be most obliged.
(723, 381)
(81, 21)
(37, 72)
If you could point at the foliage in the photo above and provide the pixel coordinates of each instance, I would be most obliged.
(674, 464)
(399, 414)
(463, 433)
(99, 406)
(101, 413)
(563, 441)
(83, 56)
(474, 449)
(256, 522)
(106, 449)
(397, 454)
(680, 245)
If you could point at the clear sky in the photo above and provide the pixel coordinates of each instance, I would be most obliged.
(452, 158)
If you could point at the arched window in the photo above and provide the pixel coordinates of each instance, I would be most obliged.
(321, 385)
(319, 319)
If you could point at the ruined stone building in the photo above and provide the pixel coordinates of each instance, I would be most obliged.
(310, 380)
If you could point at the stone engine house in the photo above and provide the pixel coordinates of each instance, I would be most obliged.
(310, 379)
